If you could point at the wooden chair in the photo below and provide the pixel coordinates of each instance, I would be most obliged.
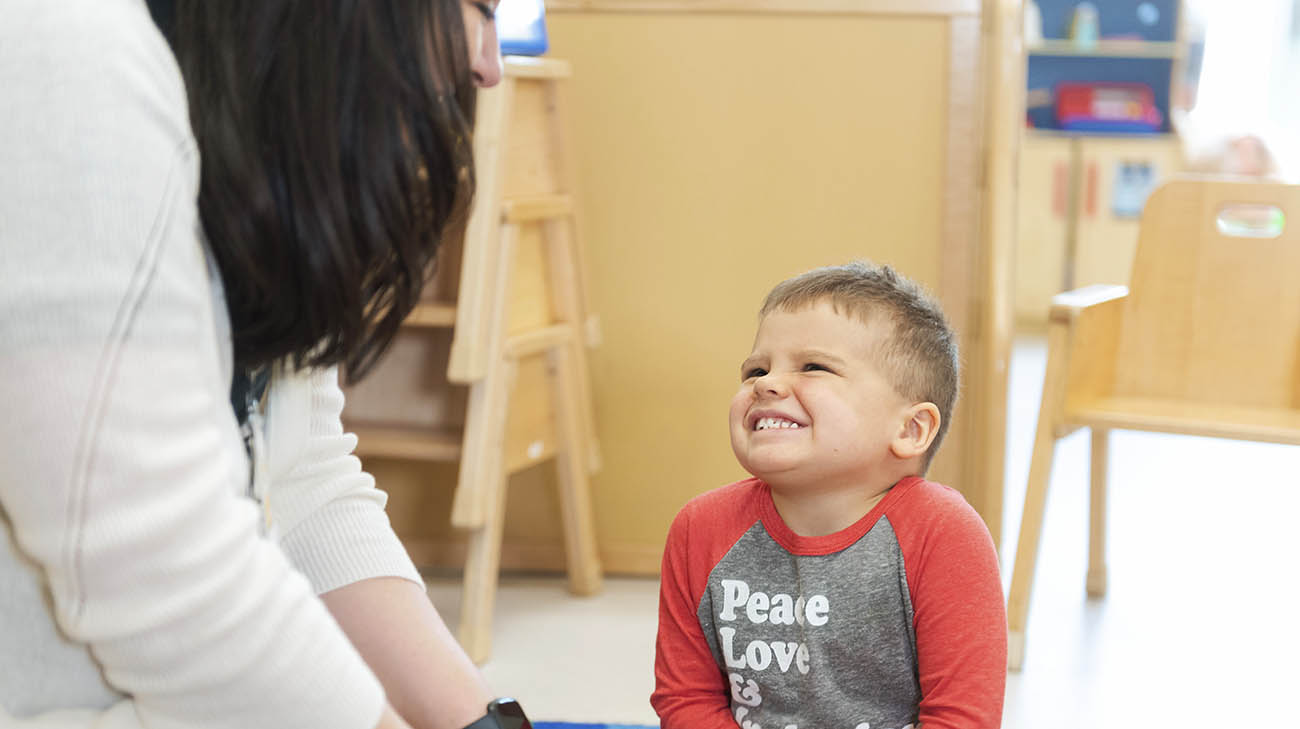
(1206, 341)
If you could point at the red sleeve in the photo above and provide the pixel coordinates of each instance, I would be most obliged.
(691, 692)
(959, 615)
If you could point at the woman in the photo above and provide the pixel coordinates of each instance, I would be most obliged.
(163, 552)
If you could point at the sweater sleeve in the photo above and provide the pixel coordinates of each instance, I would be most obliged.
(960, 620)
(335, 529)
(691, 692)
(121, 465)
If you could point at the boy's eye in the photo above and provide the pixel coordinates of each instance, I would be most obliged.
(754, 372)
(814, 367)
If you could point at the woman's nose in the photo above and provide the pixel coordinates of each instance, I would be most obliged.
(486, 67)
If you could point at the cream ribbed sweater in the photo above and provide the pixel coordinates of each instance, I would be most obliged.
(135, 587)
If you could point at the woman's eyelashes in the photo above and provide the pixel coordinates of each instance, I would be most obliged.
(489, 13)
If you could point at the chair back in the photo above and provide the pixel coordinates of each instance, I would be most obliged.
(1213, 313)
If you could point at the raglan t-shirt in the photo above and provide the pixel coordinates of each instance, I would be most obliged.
(895, 621)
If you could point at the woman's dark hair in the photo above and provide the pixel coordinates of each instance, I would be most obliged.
(334, 138)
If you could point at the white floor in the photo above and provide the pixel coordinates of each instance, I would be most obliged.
(1201, 625)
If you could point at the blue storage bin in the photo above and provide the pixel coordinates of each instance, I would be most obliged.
(521, 26)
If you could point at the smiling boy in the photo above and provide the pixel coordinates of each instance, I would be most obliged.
(837, 589)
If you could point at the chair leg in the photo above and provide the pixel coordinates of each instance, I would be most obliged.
(482, 569)
(1040, 473)
(488, 408)
(1031, 526)
(483, 558)
(485, 423)
(1097, 522)
(566, 276)
(585, 574)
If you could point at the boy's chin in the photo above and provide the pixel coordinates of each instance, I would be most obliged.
(771, 470)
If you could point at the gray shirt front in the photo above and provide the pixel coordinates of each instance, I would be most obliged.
(895, 621)
(838, 627)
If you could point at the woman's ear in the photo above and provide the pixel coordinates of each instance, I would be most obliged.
(918, 430)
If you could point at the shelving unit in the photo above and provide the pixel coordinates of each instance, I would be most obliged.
(1068, 134)
(1128, 50)
(1071, 231)
(490, 372)
(1107, 48)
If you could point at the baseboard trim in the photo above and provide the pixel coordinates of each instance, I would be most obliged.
(627, 558)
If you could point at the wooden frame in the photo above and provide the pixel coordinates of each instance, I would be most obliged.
(981, 133)
(515, 352)
(801, 7)
(978, 229)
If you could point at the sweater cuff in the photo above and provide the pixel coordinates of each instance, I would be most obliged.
(346, 541)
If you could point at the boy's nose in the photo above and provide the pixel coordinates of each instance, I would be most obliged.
(771, 385)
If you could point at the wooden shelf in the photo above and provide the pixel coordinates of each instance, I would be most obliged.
(431, 315)
(502, 385)
(954, 8)
(536, 207)
(535, 67)
(422, 444)
(1106, 49)
(1070, 134)
(532, 342)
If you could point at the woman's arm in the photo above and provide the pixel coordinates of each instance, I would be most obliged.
(336, 531)
(429, 679)
(121, 466)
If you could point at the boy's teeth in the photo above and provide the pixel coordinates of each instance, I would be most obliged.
(767, 423)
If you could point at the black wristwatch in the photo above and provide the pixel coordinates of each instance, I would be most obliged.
(503, 713)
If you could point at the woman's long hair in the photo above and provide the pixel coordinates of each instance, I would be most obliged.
(334, 138)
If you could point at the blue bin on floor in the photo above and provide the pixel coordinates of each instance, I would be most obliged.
(521, 27)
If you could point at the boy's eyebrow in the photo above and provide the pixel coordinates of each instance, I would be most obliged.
(821, 355)
(803, 354)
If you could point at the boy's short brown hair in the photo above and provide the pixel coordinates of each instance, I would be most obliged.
(919, 357)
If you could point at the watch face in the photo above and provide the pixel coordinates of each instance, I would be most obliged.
(509, 714)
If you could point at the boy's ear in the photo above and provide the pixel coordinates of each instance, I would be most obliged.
(918, 431)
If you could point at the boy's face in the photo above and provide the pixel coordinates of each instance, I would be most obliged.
(814, 410)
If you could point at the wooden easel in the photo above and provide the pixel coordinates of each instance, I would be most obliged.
(519, 333)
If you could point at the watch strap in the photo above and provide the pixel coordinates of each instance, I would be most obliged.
(487, 721)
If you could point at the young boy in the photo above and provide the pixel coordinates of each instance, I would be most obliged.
(836, 589)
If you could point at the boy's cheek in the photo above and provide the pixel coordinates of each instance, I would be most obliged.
(739, 408)
(736, 426)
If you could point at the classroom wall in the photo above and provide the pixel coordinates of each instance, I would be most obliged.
(716, 154)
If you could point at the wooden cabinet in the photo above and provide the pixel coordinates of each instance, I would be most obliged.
(1106, 228)
(1043, 220)
(713, 168)
(1080, 200)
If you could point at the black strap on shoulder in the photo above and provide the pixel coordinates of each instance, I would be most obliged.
(246, 389)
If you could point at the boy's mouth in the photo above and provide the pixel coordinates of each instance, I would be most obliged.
(775, 423)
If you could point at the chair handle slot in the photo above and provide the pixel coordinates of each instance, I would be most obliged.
(1250, 220)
